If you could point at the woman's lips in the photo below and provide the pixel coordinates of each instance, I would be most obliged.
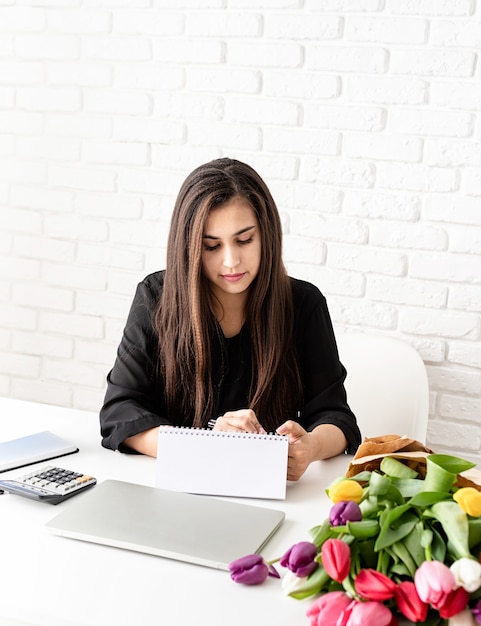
(233, 278)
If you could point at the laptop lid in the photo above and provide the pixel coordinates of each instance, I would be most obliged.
(186, 527)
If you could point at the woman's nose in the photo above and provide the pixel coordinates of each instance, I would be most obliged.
(231, 257)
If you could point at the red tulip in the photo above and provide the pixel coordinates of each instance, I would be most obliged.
(336, 559)
(373, 585)
(409, 602)
(455, 602)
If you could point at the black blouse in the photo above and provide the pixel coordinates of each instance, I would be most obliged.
(134, 401)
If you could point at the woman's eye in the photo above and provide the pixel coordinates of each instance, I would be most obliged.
(242, 242)
(210, 248)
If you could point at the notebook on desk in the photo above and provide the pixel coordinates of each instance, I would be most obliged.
(41, 446)
(243, 465)
(185, 527)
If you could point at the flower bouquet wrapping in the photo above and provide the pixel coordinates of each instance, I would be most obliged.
(402, 542)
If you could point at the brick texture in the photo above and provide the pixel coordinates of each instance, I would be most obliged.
(364, 117)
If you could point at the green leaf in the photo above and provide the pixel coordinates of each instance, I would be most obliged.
(438, 548)
(428, 498)
(452, 464)
(366, 553)
(363, 529)
(396, 469)
(413, 544)
(400, 569)
(379, 484)
(362, 477)
(455, 524)
(319, 534)
(442, 471)
(437, 478)
(408, 487)
(314, 584)
(474, 533)
(369, 507)
(397, 524)
(394, 495)
(405, 557)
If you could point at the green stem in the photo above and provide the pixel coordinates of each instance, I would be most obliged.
(349, 587)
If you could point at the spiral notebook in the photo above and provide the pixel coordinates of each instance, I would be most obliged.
(216, 463)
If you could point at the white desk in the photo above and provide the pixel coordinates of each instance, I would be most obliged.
(46, 580)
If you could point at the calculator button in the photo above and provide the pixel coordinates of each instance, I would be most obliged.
(84, 479)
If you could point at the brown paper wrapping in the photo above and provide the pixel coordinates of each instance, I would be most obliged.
(409, 451)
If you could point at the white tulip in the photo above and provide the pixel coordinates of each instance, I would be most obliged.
(290, 582)
(467, 573)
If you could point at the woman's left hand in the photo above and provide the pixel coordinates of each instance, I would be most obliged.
(326, 440)
(300, 449)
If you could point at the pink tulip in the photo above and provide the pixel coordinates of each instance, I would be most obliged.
(454, 603)
(434, 582)
(369, 613)
(409, 602)
(336, 559)
(373, 585)
(329, 609)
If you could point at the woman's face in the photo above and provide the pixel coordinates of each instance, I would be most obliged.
(231, 248)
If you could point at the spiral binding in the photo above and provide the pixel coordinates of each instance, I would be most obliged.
(185, 430)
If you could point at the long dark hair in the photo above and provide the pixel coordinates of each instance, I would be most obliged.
(184, 319)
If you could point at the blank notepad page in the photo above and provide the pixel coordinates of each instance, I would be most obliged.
(222, 463)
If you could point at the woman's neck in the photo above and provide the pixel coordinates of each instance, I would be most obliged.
(230, 314)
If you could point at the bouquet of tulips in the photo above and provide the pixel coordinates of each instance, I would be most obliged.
(396, 545)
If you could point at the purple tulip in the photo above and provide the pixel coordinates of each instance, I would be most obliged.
(299, 559)
(343, 512)
(251, 570)
(477, 611)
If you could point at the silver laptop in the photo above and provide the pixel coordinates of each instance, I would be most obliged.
(193, 528)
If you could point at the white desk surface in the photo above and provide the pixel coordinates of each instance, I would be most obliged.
(46, 580)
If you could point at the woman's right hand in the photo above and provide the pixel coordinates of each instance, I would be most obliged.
(243, 421)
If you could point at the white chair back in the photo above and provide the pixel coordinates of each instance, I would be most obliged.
(387, 385)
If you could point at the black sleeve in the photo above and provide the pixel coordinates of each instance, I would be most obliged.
(133, 401)
(322, 373)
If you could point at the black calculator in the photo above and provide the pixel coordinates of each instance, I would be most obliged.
(49, 484)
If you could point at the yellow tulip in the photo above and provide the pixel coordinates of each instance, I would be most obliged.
(345, 490)
(469, 499)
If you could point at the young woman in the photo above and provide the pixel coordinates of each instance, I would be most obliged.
(223, 337)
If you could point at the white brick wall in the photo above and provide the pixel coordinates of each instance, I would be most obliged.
(364, 116)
